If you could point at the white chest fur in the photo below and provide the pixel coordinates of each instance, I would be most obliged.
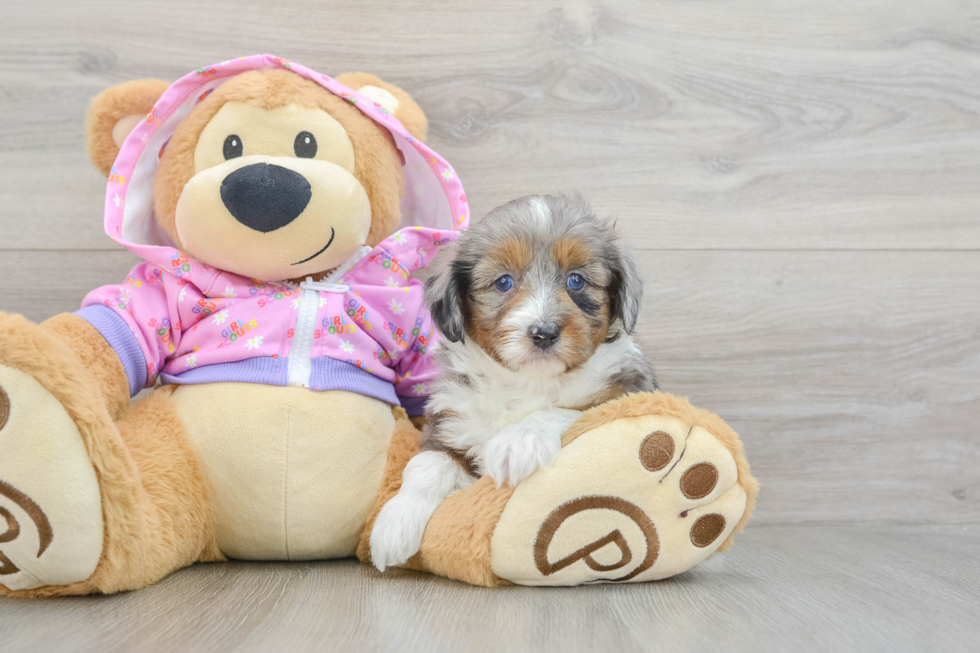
(484, 397)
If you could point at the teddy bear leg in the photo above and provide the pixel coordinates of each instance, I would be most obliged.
(88, 504)
(153, 516)
(646, 487)
(175, 526)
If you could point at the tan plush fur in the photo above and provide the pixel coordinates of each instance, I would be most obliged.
(109, 107)
(25, 346)
(177, 526)
(96, 356)
(408, 113)
(660, 403)
(376, 162)
(150, 530)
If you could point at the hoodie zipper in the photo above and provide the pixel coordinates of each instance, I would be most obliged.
(300, 362)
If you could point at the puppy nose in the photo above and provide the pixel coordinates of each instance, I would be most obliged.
(265, 197)
(544, 335)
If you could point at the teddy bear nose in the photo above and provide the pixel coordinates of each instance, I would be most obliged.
(265, 197)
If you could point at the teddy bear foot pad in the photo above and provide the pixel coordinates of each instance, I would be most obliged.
(50, 507)
(635, 499)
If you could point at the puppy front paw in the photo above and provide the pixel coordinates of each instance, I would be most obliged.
(397, 533)
(516, 451)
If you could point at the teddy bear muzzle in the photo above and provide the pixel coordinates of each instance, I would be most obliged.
(273, 218)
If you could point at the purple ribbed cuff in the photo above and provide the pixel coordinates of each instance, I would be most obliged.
(413, 405)
(264, 369)
(332, 374)
(326, 374)
(122, 340)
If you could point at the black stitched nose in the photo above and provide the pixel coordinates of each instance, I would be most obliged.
(265, 197)
(544, 335)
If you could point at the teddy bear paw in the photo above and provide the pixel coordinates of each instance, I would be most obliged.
(50, 505)
(634, 499)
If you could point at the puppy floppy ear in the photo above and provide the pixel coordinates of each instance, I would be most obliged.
(444, 294)
(114, 113)
(626, 289)
(392, 98)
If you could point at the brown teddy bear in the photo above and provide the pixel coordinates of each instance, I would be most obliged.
(281, 214)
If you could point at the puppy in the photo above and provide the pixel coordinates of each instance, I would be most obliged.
(536, 310)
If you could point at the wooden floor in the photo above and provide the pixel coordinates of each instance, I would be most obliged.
(801, 181)
(786, 588)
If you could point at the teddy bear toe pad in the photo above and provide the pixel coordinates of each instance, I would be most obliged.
(50, 508)
(635, 499)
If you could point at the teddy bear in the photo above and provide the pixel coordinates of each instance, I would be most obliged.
(282, 216)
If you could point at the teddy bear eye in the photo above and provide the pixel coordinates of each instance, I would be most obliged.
(305, 145)
(233, 147)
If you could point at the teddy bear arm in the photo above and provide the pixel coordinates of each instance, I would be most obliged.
(96, 355)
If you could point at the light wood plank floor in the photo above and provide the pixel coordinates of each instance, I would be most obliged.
(784, 588)
(801, 181)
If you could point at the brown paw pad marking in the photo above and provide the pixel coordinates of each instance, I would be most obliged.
(558, 516)
(656, 451)
(4, 408)
(44, 532)
(707, 529)
(699, 480)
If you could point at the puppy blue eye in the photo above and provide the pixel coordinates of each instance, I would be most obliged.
(504, 283)
(575, 282)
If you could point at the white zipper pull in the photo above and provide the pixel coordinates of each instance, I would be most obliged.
(322, 286)
(300, 367)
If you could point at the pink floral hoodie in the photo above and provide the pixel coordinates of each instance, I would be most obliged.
(365, 329)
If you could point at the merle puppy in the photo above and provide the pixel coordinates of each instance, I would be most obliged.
(536, 310)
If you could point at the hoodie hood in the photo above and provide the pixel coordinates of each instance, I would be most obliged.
(434, 197)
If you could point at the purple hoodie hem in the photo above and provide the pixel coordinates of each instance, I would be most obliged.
(262, 369)
(414, 406)
(122, 340)
(327, 374)
(332, 374)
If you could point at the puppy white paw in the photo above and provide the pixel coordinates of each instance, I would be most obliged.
(397, 533)
(516, 451)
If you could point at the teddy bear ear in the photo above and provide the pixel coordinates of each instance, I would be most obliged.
(114, 113)
(392, 98)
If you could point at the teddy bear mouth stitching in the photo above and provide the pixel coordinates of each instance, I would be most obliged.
(322, 249)
(264, 196)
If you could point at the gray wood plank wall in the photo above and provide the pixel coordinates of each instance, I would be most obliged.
(801, 182)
